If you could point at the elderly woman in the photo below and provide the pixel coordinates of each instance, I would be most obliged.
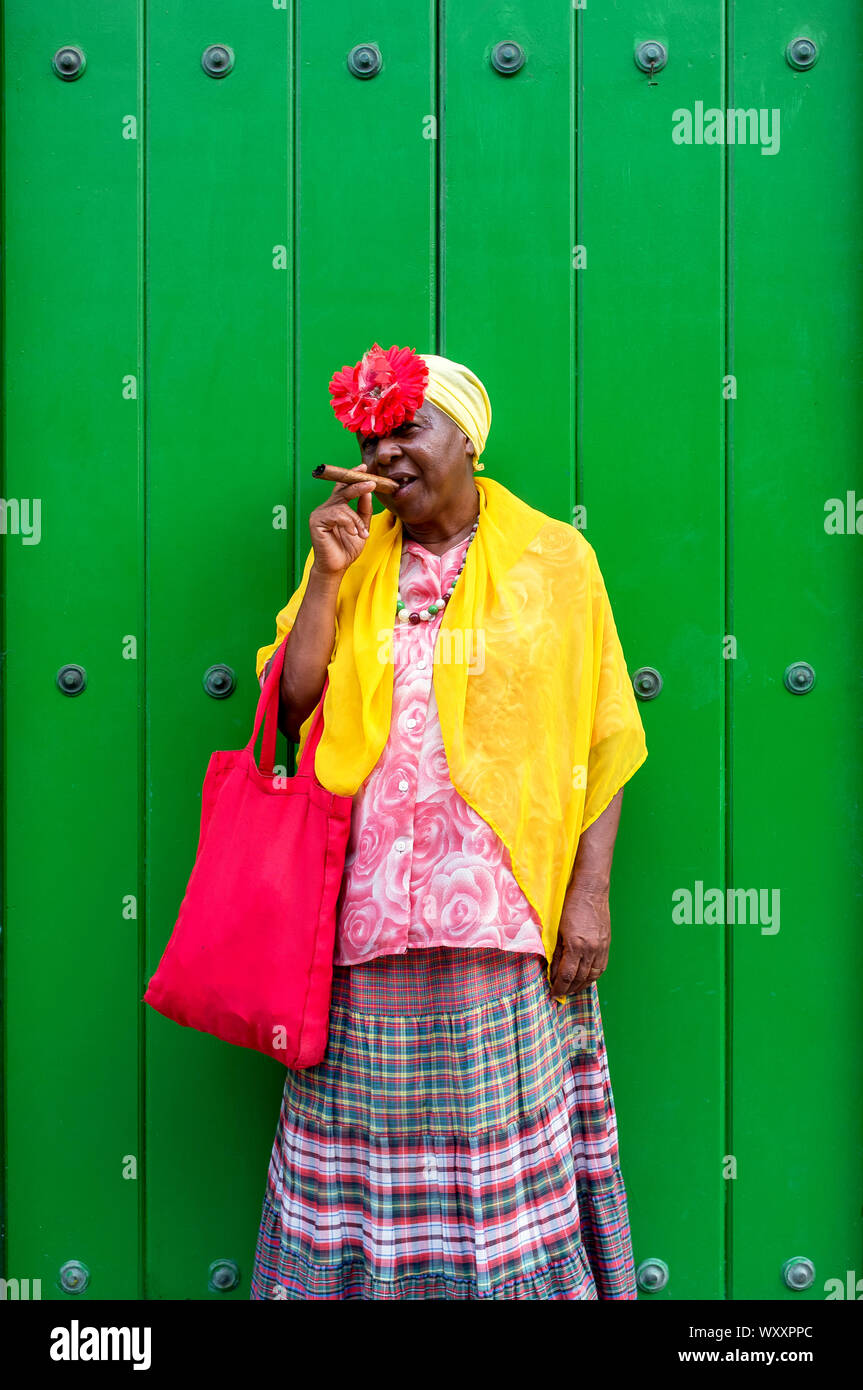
(459, 1138)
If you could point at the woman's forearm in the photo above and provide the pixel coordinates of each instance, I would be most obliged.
(592, 867)
(308, 653)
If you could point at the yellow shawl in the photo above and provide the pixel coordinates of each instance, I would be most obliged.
(539, 720)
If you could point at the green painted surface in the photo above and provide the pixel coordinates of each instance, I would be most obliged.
(797, 1043)
(186, 261)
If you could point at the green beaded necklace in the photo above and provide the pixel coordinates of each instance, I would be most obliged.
(425, 615)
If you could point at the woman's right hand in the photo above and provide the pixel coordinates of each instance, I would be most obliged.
(338, 532)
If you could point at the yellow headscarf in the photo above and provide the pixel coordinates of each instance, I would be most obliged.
(539, 721)
(456, 390)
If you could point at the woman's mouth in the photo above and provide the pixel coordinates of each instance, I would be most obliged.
(405, 482)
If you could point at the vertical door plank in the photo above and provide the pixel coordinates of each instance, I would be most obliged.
(73, 795)
(506, 152)
(219, 297)
(650, 455)
(366, 194)
(798, 441)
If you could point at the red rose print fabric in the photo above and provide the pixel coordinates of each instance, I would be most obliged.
(423, 869)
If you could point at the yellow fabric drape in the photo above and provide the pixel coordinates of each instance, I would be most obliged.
(539, 720)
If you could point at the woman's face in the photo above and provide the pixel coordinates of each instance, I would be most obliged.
(432, 455)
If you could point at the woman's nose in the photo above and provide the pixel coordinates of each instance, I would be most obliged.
(385, 450)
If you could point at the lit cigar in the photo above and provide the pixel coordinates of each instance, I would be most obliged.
(331, 474)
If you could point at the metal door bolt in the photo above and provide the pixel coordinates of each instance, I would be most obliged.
(647, 683)
(219, 681)
(217, 60)
(72, 679)
(651, 56)
(798, 1273)
(799, 677)
(801, 54)
(69, 63)
(507, 57)
(652, 1275)
(364, 60)
(223, 1275)
(74, 1277)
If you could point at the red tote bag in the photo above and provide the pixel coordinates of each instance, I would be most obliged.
(250, 958)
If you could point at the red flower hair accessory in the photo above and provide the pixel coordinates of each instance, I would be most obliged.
(384, 389)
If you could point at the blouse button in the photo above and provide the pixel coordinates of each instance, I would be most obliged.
(411, 723)
(401, 846)
(403, 785)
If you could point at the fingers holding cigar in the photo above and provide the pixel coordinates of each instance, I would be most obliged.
(338, 532)
(330, 473)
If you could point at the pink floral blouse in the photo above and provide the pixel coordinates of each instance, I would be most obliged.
(422, 867)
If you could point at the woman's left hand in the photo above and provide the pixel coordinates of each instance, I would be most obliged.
(583, 942)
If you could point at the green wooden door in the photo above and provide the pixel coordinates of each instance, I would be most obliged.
(669, 332)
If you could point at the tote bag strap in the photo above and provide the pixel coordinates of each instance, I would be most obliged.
(268, 713)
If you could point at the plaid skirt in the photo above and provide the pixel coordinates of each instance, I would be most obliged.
(458, 1141)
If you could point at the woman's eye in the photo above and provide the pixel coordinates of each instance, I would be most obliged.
(399, 430)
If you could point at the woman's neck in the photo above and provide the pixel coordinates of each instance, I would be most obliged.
(439, 539)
